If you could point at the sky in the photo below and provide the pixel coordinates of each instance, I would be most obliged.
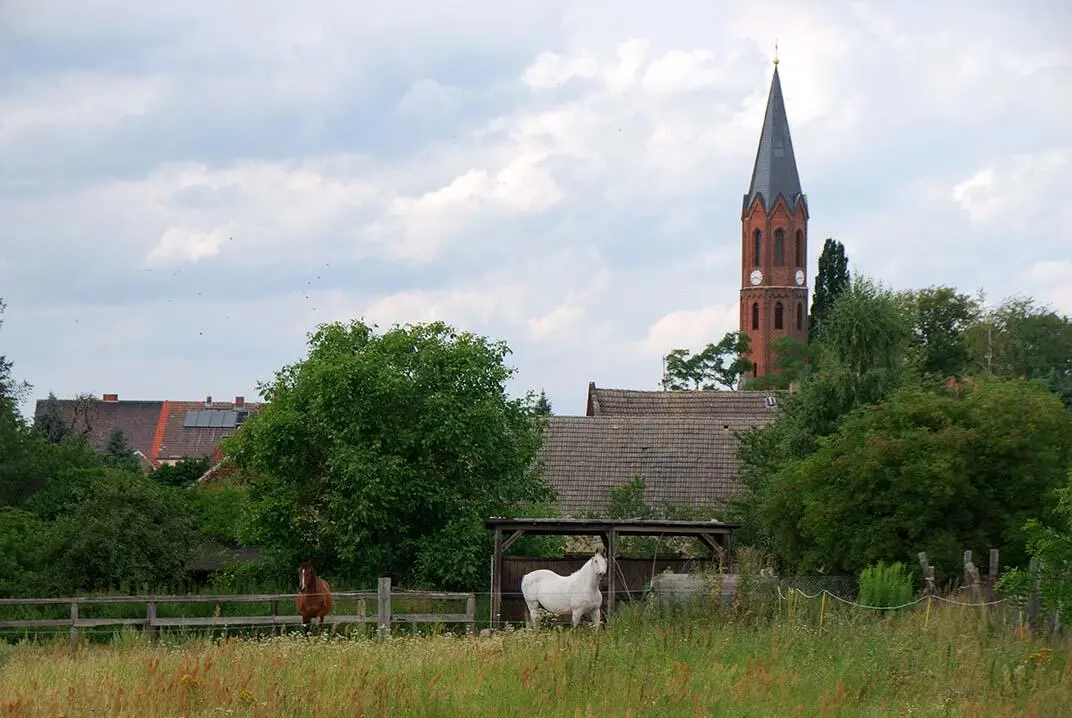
(188, 189)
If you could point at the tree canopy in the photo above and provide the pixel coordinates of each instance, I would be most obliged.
(382, 454)
(715, 366)
(832, 279)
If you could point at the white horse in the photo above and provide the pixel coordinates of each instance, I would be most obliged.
(577, 593)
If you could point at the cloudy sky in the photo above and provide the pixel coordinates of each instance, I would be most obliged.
(187, 189)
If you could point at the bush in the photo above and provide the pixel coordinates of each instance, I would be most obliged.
(883, 585)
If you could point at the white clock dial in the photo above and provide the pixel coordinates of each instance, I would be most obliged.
(800, 277)
(756, 276)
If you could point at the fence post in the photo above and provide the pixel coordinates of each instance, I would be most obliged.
(276, 628)
(470, 613)
(150, 619)
(1033, 600)
(971, 575)
(992, 577)
(74, 627)
(383, 598)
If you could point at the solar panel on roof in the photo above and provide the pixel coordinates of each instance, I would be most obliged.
(229, 418)
(203, 419)
(190, 419)
(215, 419)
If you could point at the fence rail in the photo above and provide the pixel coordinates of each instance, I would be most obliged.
(383, 618)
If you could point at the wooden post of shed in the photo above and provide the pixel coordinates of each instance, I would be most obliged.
(992, 577)
(612, 569)
(74, 627)
(383, 599)
(496, 579)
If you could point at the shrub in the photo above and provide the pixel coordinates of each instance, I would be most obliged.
(883, 585)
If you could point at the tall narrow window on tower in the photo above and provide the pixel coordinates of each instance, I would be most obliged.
(779, 248)
(800, 249)
(800, 317)
(757, 246)
(755, 315)
(777, 315)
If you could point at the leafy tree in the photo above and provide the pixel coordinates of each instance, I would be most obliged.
(1051, 547)
(118, 528)
(942, 318)
(717, 365)
(1020, 338)
(218, 511)
(830, 282)
(183, 473)
(117, 451)
(543, 405)
(382, 454)
(49, 424)
(791, 358)
(863, 350)
(922, 471)
(22, 538)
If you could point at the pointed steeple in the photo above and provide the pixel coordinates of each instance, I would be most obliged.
(775, 171)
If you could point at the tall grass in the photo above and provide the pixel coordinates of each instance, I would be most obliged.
(883, 585)
(952, 661)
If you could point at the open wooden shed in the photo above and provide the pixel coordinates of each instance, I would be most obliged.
(714, 534)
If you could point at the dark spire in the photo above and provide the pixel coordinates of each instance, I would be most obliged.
(775, 171)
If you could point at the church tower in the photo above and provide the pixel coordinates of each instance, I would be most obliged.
(774, 241)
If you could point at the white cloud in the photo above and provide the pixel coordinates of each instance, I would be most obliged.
(180, 245)
(691, 329)
(1001, 193)
(429, 98)
(1054, 280)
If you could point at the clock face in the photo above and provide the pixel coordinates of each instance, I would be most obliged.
(756, 276)
(800, 277)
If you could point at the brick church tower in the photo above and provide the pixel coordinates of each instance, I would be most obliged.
(774, 241)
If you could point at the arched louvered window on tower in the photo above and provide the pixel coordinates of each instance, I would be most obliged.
(779, 248)
(755, 315)
(800, 249)
(800, 317)
(757, 247)
(777, 315)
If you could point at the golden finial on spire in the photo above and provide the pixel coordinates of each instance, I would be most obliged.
(776, 52)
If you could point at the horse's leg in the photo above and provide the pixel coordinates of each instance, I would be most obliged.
(595, 616)
(533, 606)
(577, 614)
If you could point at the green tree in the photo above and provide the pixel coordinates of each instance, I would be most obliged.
(1021, 338)
(116, 528)
(382, 454)
(717, 365)
(942, 318)
(830, 282)
(22, 540)
(863, 353)
(183, 473)
(543, 405)
(922, 472)
(50, 424)
(791, 358)
(117, 451)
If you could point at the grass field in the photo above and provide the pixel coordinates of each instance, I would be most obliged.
(963, 662)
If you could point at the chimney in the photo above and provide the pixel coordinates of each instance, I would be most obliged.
(208, 400)
(239, 402)
(110, 397)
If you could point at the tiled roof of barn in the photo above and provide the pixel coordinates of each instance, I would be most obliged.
(687, 461)
(730, 405)
(136, 419)
(179, 441)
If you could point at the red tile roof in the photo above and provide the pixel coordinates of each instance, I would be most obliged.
(155, 428)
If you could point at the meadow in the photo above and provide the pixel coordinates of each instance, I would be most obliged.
(955, 661)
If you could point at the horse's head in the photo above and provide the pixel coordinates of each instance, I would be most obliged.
(306, 575)
(599, 562)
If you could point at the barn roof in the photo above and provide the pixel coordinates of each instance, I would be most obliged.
(685, 461)
(750, 406)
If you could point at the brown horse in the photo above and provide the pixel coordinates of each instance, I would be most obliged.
(314, 595)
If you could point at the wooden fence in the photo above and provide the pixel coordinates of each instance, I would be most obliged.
(383, 618)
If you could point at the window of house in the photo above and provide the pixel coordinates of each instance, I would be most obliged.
(755, 315)
(779, 248)
(778, 315)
